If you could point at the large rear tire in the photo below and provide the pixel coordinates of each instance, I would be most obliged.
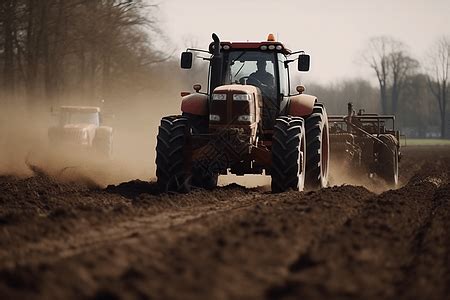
(288, 154)
(388, 159)
(172, 168)
(317, 148)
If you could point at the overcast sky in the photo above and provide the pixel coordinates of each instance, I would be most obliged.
(333, 32)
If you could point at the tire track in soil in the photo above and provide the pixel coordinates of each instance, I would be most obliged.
(385, 252)
(227, 247)
(242, 257)
(50, 250)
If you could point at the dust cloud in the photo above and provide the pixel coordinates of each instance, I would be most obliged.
(343, 174)
(24, 142)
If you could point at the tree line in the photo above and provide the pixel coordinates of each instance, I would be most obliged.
(400, 76)
(54, 49)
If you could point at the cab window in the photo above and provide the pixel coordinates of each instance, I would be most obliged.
(284, 79)
(241, 64)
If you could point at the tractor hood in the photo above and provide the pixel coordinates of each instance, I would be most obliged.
(237, 88)
(235, 104)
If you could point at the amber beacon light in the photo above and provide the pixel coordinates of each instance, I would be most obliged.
(271, 37)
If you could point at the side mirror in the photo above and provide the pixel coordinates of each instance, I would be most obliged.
(303, 62)
(186, 60)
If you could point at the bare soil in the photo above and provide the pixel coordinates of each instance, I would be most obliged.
(70, 239)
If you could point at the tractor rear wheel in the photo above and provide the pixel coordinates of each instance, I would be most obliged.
(171, 166)
(288, 154)
(317, 148)
(388, 159)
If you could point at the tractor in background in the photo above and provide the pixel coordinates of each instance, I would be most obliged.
(80, 128)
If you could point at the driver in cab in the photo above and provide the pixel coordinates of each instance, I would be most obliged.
(261, 78)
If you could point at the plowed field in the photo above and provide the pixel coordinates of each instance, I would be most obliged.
(70, 239)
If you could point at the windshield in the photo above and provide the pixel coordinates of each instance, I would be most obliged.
(240, 65)
(79, 118)
(251, 67)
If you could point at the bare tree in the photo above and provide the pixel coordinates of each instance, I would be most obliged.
(8, 10)
(401, 66)
(53, 48)
(392, 64)
(377, 57)
(438, 72)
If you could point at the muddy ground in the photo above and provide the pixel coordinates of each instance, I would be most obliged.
(70, 239)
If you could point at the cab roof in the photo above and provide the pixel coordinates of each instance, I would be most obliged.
(262, 46)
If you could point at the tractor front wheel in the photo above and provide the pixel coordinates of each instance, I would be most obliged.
(288, 154)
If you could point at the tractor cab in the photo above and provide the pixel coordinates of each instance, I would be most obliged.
(73, 115)
(264, 65)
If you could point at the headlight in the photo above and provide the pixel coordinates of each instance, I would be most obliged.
(214, 118)
(245, 118)
(219, 96)
(241, 97)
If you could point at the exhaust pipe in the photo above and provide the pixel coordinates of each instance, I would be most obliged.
(216, 64)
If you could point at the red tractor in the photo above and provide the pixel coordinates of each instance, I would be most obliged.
(247, 122)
